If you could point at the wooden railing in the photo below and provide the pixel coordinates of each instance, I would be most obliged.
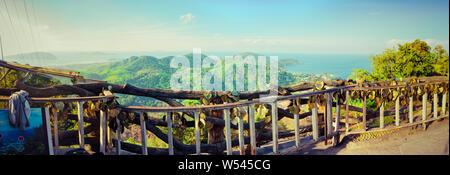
(330, 131)
(79, 101)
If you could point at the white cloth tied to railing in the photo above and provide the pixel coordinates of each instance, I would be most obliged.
(19, 110)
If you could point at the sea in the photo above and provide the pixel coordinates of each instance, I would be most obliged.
(341, 65)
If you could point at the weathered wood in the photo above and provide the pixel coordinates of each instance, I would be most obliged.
(329, 113)
(197, 133)
(315, 121)
(80, 124)
(296, 127)
(228, 131)
(143, 134)
(435, 105)
(424, 109)
(397, 110)
(169, 132)
(325, 113)
(444, 104)
(118, 136)
(49, 132)
(365, 113)
(411, 110)
(55, 127)
(347, 112)
(241, 136)
(338, 117)
(251, 114)
(274, 127)
(382, 115)
(102, 131)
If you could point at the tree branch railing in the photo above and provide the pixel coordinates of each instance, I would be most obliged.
(176, 147)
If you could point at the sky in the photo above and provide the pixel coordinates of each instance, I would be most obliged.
(313, 27)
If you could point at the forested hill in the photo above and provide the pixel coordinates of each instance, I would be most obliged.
(152, 72)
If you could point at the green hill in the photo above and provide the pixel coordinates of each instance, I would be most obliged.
(151, 72)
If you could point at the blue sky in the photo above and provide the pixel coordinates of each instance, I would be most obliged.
(325, 27)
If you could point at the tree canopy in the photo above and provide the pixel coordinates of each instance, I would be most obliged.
(410, 59)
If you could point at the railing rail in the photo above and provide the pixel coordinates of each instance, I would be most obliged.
(330, 129)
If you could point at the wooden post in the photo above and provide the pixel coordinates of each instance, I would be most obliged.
(80, 124)
(49, 132)
(197, 132)
(424, 109)
(143, 134)
(241, 136)
(274, 127)
(110, 145)
(338, 117)
(55, 128)
(118, 135)
(325, 120)
(296, 127)
(444, 105)
(169, 132)
(411, 109)
(435, 105)
(382, 115)
(228, 131)
(397, 109)
(364, 113)
(347, 112)
(338, 113)
(102, 131)
(315, 122)
(329, 113)
(251, 114)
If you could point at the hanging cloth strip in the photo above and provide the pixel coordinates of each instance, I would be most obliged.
(19, 110)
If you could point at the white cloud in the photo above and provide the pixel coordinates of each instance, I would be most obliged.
(186, 18)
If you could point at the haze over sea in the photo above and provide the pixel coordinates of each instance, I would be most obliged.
(337, 64)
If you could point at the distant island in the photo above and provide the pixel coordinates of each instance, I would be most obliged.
(288, 61)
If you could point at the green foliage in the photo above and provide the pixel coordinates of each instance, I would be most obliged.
(409, 59)
(360, 74)
(441, 59)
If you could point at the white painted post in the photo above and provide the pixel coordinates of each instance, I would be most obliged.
(424, 109)
(251, 113)
(49, 132)
(296, 127)
(102, 131)
(435, 105)
(397, 110)
(347, 112)
(364, 113)
(338, 116)
(109, 133)
(80, 124)
(197, 133)
(315, 122)
(274, 127)
(444, 104)
(169, 132)
(338, 113)
(382, 115)
(143, 134)
(118, 135)
(411, 109)
(228, 131)
(329, 114)
(241, 136)
(55, 128)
